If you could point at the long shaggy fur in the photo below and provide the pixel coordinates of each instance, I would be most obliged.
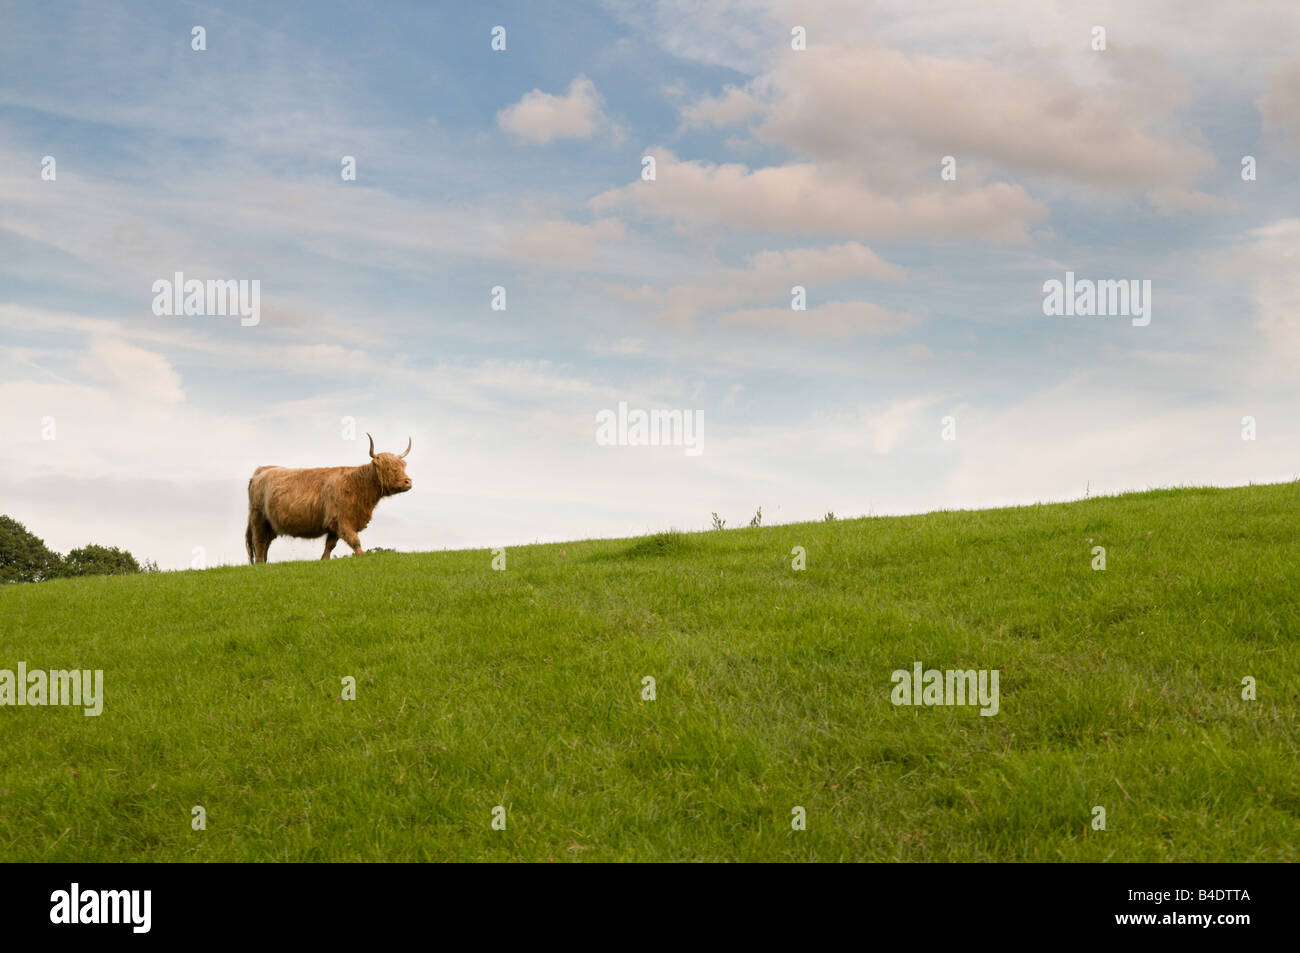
(334, 502)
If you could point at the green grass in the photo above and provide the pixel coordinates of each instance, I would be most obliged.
(522, 688)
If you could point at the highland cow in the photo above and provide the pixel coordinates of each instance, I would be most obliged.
(334, 502)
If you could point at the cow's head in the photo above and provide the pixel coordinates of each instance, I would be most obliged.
(390, 468)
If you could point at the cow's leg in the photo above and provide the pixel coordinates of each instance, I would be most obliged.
(262, 536)
(350, 537)
(330, 540)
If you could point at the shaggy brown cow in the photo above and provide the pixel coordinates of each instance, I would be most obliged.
(334, 502)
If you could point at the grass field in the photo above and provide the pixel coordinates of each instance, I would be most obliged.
(523, 688)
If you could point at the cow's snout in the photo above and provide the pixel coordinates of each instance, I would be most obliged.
(406, 484)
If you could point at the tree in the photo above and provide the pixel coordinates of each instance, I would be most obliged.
(92, 560)
(23, 556)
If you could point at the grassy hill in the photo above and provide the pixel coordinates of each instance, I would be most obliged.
(523, 688)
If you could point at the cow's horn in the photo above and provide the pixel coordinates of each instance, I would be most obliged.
(407, 450)
(372, 446)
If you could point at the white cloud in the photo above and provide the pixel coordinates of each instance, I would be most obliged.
(807, 199)
(877, 108)
(732, 107)
(542, 117)
(771, 275)
(1280, 104)
(888, 424)
(562, 242)
(1171, 201)
(1270, 260)
(623, 347)
(831, 319)
(1222, 52)
(131, 371)
(737, 34)
(1091, 431)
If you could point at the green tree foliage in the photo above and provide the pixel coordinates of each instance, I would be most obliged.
(92, 560)
(24, 557)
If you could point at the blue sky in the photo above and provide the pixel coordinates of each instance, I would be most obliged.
(521, 169)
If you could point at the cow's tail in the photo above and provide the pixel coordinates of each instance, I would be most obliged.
(248, 533)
